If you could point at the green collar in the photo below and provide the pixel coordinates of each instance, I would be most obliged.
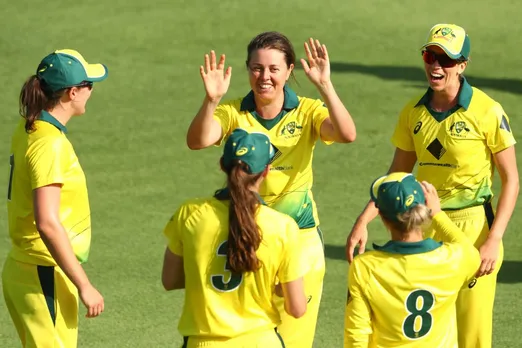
(464, 96)
(224, 194)
(47, 117)
(408, 248)
(291, 101)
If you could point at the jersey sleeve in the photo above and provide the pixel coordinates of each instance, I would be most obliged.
(402, 136)
(48, 159)
(174, 230)
(225, 117)
(319, 114)
(357, 317)
(443, 225)
(290, 268)
(497, 129)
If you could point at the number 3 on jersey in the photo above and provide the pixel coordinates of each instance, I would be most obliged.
(218, 280)
(419, 321)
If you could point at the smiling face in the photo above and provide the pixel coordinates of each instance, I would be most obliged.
(442, 72)
(268, 72)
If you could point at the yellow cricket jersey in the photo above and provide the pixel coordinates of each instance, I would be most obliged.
(403, 294)
(40, 158)
(294, 132)
(217, 302)
(454, 149)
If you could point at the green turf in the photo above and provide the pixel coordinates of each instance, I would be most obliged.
(131, 142)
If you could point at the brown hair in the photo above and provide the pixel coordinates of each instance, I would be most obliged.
(244, 236)
(273, 40)
(35, 97)
(416, 217)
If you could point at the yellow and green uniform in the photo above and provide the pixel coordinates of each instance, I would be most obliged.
(455, 152)
(403, 294)
(31, 277)
(288, 187)
(221, 307)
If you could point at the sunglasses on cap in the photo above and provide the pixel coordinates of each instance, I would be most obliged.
(430, 57)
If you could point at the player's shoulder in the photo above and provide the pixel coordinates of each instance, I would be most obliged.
(275, 217)
(306, 104)
(198, 205)
(482, 104)
(232, 104)
(414, 101)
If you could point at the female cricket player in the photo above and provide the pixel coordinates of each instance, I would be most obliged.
(48, 207)
(226, 251)
(294, 124)
(458, 136)
(403, 294)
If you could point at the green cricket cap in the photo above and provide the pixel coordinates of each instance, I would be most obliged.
(396, 193)
(253, 148)
(451, 38)
(67, 68)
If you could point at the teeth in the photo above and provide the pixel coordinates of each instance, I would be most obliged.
(437, 75)
(265, 86)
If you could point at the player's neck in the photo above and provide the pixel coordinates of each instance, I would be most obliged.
(446, 99)
(269, 109)
(409, 237)
(61, 113)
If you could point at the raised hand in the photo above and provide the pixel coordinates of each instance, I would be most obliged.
(215, 78)
(318, 66)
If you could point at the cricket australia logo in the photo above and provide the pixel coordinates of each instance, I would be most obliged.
(291, 128)
(445, 33)
(459, 129)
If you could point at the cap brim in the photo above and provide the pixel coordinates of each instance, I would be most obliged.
(448, 53)
(374, 189)
(96, 72)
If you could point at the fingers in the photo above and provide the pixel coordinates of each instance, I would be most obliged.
(486, 267)
(207, 63)
(212, 60)
(306, 68)
(228, 74)
(221, 64)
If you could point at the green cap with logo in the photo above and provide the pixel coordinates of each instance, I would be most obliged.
(452, 39)
(67, 68)
(396, 193)
(252, 148)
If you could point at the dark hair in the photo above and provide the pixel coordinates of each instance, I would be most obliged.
(416, 217)
(272, 40)
(244, 236)
(35, 97)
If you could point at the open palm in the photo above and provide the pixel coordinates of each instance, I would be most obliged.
(215, 78)
(318, 66)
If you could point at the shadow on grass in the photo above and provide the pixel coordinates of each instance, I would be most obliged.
(416, 74)
(510, 272)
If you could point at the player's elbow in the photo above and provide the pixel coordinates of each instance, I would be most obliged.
(347, 137)
(296, 308)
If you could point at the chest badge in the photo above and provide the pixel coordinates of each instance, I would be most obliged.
(459, 129)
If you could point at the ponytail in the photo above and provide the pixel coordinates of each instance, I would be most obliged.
(34, 98)
(415, 218)
(244, 236)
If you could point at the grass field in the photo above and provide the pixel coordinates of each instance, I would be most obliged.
(131, 142)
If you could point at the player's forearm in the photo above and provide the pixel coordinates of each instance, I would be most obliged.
(203, 128)
(505, 207)
(369, 213)
(443, 225)
(58, 244)
(342, 122)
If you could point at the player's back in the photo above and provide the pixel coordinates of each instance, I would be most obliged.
(411, 289)
(219, 303)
